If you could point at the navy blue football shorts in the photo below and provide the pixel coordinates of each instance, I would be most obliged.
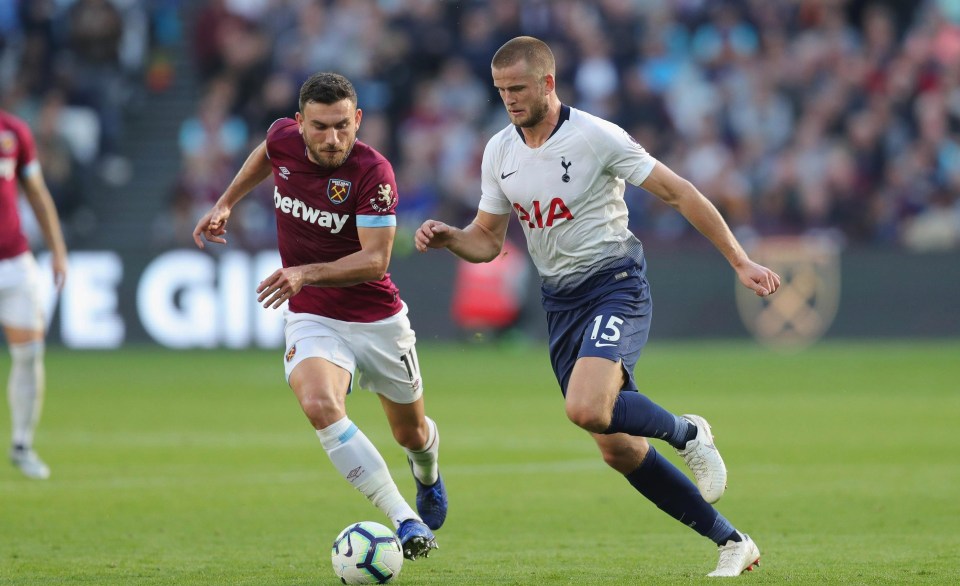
(613, 322)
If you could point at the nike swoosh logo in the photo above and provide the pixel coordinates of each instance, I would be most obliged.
(602, 345)
(502, 176)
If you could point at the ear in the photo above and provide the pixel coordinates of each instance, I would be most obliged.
(359, 117)
(549, 83)
(299, 118)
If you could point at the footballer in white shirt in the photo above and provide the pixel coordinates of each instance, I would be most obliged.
(567, 193)
(562, 172)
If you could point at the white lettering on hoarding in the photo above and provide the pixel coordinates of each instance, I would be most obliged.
(89, 316)
(189, 299)
(184, 299)
(176, 302)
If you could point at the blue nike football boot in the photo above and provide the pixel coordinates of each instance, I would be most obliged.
(416, 539)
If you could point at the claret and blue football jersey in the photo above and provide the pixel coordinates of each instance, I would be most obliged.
(318, 212)
(18, 156)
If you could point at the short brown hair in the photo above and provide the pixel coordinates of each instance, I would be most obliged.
(535, 52)
(327, 88)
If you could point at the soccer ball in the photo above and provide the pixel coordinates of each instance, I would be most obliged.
(366, 553)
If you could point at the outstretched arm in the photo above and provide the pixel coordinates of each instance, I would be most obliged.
(38, 196)
(213, 224)
(481, 241)
(703, 215)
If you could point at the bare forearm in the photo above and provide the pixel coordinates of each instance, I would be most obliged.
(353, 269)
(38, 196)
(367, 264)
(682, 196)
(703, 215)
(254, 170)
(475, 243)
(481, 241)
(52, 233)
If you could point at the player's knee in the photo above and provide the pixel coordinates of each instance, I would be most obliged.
(321, 410)
(588, 416)
(27, 354)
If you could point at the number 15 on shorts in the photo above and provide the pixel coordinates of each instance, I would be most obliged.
(606, 330)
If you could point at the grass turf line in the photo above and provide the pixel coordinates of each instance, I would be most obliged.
(198, 468)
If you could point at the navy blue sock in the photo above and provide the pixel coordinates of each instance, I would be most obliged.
(676, 495)
(635, 414)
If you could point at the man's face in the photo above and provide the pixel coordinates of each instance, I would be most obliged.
(524, 95)
(329, 131)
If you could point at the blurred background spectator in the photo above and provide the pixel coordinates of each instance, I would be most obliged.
(794, 116)
(73, 69)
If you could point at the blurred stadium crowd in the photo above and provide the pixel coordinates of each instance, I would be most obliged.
(75, 70)
(793, 116)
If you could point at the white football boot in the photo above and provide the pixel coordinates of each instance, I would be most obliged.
(29, 463)
(703, 459)
(737, 557)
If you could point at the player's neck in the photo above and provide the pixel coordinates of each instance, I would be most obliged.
(535, 137)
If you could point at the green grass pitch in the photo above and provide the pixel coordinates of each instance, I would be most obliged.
(199, 468)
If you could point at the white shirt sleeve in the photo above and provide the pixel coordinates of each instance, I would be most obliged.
(623, 155)
(492, 198)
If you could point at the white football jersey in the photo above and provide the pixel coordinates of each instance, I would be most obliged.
(567, 194)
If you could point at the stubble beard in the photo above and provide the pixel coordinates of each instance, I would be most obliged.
(327, 160)
(537, 113)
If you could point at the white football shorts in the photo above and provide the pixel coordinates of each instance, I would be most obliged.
(20, 305)
(383, 353)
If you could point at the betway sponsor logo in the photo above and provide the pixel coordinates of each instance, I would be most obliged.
(298, 209)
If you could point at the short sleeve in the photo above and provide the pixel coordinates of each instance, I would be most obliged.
(377, 204)
(623, 155)
(492, 198)
(278, 126)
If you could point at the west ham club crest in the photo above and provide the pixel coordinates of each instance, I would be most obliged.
(338, 190)
(8, 142)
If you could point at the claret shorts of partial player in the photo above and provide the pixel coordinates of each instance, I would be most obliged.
(20, 305)
(382, 353)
